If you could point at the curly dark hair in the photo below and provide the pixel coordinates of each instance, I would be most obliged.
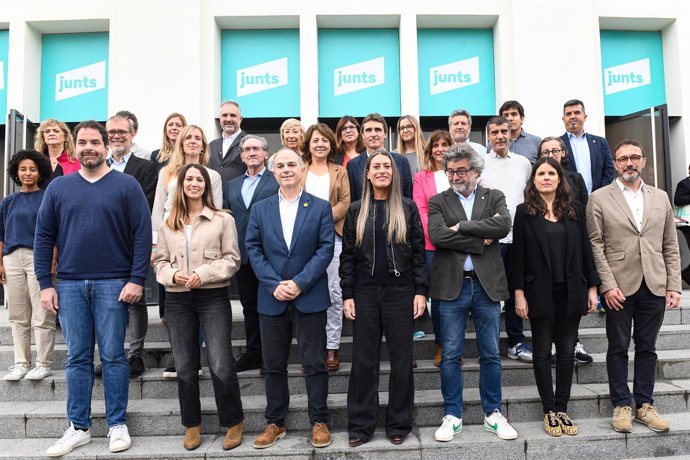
(562, 204)
(43, 165)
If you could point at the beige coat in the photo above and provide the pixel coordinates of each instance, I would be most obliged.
(622, 254)
(214, 254)
(338, 193)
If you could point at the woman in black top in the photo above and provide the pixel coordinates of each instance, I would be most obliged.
(384, 281)
(171, 130)
(555, 283)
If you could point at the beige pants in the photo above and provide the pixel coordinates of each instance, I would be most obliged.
(23, 299)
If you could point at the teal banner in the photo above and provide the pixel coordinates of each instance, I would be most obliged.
(4, 52)
(260, 70)
(74, 77)
(359, 72)
(633, 71)
(456, 70)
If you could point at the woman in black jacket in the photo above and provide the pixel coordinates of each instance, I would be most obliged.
(555, 148)
(384, 282)
(555, 283)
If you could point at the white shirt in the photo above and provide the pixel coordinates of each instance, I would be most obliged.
(319, 186)
(583, 161)
(635, 201)
(288, 215)
(227, 141)
(508, 174)
(441, 181)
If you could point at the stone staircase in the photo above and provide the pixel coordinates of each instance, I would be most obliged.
(32, 414)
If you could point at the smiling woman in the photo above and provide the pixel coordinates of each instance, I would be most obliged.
(54, 140)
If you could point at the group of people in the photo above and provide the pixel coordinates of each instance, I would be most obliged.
(331, 225)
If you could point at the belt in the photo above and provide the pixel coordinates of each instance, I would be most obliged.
(469, 274)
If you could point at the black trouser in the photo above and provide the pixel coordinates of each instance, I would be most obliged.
(646, 310)
(276, 337)
(514, 324)
(388, 311)
(560, 329)
(248, 288)
(210, 309)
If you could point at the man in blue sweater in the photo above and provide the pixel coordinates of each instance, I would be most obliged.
(100, 222)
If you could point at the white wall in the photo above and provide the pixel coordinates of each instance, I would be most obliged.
(165, 54)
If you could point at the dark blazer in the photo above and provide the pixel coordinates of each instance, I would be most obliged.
(355, 172)
(532, 266)
(578, 188)
(154, 160)
(603, 171)
(682, 195)
(310, 253)
(146, 174)
(230, 165)
(490, 220)
(232, 200)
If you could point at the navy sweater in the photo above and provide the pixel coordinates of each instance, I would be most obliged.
(102, 229)
(18, 220)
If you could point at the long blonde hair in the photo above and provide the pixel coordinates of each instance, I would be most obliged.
(395, 214)
(179, 213)
(168, 146)
(177, 160)
(40, 143)
(418, 138)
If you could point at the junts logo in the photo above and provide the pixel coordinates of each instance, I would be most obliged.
(2, 75)
(80, 81)
(262, 77)
(627, 76)
(359, 76)
(453, 75)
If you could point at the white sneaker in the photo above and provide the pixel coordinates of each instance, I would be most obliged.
(119, 438)
(38, 373)
(17, 372)
(450, 426)
(71, 439)
(497, 423)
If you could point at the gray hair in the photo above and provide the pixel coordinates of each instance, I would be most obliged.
(264, 142)
(457, 113)
(462, 151)
(272, 159)
(231, 102)
(122, 118)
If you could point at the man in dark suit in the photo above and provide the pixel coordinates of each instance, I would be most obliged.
(225, 151)
(290, 241)
(589, 155)
(239, 195)
(121, 158)
(465, 223)
(374, 132)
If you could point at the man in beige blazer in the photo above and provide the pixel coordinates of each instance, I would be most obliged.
(636, 254)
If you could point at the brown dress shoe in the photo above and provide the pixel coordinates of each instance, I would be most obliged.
(270, 435)
(233, 437)
(192, 438)
(320, 436)
(437, 358)
(332, 360)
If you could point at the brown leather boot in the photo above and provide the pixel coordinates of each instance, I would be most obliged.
(269, 436)
(320, 436)
(332, 360)
(233, 437)
(437, 358)
(192, 438)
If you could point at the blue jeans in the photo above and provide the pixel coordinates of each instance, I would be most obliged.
(89, 312)
(486, 315)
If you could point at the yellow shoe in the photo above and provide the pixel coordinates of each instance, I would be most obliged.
(648, 415)
(622, 419)
(567, 425)
(552, 424)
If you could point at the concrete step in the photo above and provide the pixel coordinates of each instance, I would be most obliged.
(154, 417)
(157, 332)
(672, 364)
(595, 439)
(158, 354)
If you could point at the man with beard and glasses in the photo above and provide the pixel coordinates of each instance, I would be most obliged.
(101, 222)
(508, 172)
(635, 249)
(225, 152)
(465, 223)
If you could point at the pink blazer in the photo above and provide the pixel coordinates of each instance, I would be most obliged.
(68, 166)
(423, 188)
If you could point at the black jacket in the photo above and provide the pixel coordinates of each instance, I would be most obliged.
(682, 196)
(578, 188)
(407, 257)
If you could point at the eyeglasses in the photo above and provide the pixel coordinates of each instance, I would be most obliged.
(349, 128)
(252, 149)
(550, 153)
(121, 133)
(633, 158)
(460, 172)
(407, 128)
